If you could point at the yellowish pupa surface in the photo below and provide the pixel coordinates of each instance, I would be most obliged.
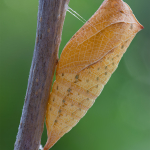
(86, 64)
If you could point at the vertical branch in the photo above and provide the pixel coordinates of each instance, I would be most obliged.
(50, 21)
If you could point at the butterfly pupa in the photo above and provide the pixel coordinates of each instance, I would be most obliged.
(86, 64)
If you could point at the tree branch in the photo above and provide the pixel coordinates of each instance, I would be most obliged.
(50, 21)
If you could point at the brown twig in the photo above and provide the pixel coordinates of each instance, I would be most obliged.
(50, 21)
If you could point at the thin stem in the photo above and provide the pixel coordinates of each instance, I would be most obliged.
(50, 21)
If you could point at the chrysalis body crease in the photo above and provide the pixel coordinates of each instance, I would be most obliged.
(86, 64)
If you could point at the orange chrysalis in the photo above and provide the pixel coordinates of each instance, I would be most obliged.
(86, 64)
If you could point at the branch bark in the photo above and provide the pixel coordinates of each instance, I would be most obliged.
(51, 14)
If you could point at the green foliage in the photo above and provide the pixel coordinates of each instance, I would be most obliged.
(120, 117)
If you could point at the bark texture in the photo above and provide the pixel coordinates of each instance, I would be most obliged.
(51, 14)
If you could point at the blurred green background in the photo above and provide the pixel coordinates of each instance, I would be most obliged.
(120, 117)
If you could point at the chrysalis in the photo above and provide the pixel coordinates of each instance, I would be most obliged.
(86, 64)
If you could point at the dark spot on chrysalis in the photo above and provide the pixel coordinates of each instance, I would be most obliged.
(117, 55)
(59, 111)
(63, 105)
(75, 81)
(97, 68)
(77, 76)
(87, 80)
(87, 91)
(97, 86)
(56, 121)
(71, 104)
(80, 109)
(122, 46)
(112, 58)
(88, 99)
(113, 63)
(62, 74)
(97, 78)
(131, 27)
(105, 73)
(50, 108)
(57, 87)
(105, 67)
(79, 103)
(88, 67)
(69, 90)
(53, 99)
(126, 41)
(121, 11)
(72, 113)
(63, 101)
